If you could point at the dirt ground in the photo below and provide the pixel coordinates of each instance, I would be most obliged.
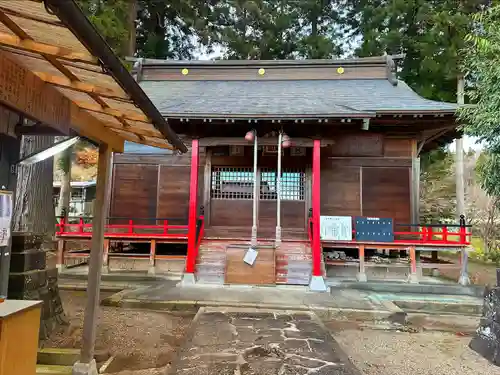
(480, 273)
(378, 352)
(140, 340)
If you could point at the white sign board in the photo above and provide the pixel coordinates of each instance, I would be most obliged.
(250, 256)
(5, 216)
(336, 228)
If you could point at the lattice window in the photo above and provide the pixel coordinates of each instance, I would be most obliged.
(292, 184)
(232, 183)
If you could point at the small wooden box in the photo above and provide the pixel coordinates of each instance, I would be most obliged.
(19, 330)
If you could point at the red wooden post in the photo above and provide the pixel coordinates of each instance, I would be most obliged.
(131, 226)
(445, 234)
(317, 282)
(80, 226)
(193, 206)
(165, 226)
(61, 225)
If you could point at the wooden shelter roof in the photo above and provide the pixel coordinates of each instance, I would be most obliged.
(56, 69)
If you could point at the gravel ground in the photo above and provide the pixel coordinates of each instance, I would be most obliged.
(140, 340)
(377, 352)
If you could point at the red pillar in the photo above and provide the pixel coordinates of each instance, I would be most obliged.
(316, 199)
(193, 207)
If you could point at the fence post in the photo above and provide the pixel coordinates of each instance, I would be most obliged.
(81, 228)
(165, 226)
(464, 272)
(131, 226)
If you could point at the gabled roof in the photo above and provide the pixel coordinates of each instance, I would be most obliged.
(56, 69)
(355, 88)
(301, 98)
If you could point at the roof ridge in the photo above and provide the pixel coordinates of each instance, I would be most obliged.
(301, 62)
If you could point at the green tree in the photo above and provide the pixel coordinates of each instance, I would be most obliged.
(110, 19)
(430, 33)
(483, 74)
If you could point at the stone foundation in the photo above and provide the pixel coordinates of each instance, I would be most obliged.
(487, 339)
(29, 279)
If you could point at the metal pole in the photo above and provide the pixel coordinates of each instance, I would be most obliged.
(278, 191)
(256, 194)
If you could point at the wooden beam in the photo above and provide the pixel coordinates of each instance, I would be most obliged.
(130, 137)
(36, 130)
(81, 86)
(271, 141)
(144, 132)
(31, 17)
(46, 49)
(128, 115)
(89, 126)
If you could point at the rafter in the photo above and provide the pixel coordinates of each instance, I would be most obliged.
(46, 49)
(31, 17)
(127, 115)
(81, 86)
(138, 131)
(130, 138)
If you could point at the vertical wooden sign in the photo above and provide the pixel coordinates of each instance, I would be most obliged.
(23, 91)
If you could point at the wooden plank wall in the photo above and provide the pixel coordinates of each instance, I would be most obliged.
(153, 185)
(367, 175)
(362, 174)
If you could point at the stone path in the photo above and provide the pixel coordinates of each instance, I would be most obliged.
(251, 342)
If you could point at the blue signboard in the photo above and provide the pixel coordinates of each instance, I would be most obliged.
(374, 229)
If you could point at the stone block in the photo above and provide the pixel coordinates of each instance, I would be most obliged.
(26, 241)
(28, 260)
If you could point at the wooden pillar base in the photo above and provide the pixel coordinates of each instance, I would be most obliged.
(361, 277)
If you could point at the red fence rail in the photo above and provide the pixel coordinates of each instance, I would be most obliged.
(424, 234)
(131, 229)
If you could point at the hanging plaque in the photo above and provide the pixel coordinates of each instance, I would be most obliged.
(336, 228)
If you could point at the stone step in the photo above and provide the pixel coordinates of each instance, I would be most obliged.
(59, 357)
(53, 370)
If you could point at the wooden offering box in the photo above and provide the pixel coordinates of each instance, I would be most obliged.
(19, 327)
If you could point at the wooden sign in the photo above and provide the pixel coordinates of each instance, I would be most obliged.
(298, 151)
(336, 228)
(236, 151)
(271, 150)
(23, 91)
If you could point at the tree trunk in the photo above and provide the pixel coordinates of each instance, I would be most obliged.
(65, 192)
(34, 207)
(132, 34)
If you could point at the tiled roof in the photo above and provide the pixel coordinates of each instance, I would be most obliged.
(315, 98)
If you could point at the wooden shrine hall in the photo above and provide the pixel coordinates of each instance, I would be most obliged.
(311, 165)
(59, 77)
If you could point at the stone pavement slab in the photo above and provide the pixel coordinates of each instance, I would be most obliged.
(280, 297)
(260, 342)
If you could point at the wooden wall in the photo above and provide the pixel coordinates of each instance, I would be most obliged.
(361, 175)
(156, 185)
(367, 175)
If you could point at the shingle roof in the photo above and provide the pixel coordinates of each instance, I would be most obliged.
(329, 98)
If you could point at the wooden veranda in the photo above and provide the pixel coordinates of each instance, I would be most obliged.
(57, 71)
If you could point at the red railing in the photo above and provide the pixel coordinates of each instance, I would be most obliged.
(427, 234)
(130, 230)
